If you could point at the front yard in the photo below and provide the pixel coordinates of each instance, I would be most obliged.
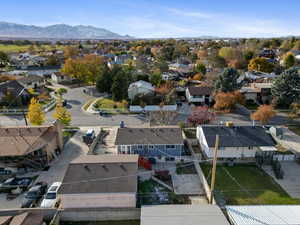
(247, 185)
(110, 106)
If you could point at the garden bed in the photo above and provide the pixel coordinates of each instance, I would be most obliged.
(110, 106)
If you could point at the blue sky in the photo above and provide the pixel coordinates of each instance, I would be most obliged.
(164, 18)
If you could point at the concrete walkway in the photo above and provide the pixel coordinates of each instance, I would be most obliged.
(290, 140)
(291, 181)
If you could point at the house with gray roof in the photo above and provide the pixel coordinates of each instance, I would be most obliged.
(100, 181)
(199, 94)
(236, 142)
(151, 142)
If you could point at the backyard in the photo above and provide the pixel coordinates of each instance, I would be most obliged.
(111, 106)
(247, 185)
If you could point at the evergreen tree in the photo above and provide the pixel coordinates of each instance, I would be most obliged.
(227, 81)
(286, 87)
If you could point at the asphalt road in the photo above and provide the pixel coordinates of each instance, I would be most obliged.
(76, 99)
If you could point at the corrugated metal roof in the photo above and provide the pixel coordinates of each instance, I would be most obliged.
(264, 215)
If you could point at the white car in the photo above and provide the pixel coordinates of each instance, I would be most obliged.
(50, 198)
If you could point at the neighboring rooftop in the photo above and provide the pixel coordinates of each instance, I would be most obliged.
(30, 78)
(182, 215)
(101, 174)
(237, 136)
(264, 214)
(27, 219)
(17, 141)
(13, 86)
(152, 136)
(200, 90)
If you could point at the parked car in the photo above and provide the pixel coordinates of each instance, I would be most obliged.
(50, 199)
(16, 182)
(35, 193)
(179, 103)
(4, 171)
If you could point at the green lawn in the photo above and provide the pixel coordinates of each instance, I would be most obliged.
(24, 48)
(111, 106)
(247, 184)
(190, 133)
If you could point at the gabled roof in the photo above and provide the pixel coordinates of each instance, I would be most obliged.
(31, 78)
(101, 174)
(200, 90)
(18, 141)
(13, 86)
(151, 136)
(237, 136)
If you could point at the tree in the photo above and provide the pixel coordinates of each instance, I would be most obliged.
(289, 60)
(156, 79)
(217, 61)
(248, 55)
(227, 81)
(198, 76)
(200, 68)
(85, 69)
(263, 114)
(35, 114)
(226, 101)
(104, 80)
(61, 91)
(70, 52)
(62, 114)
(260, 64)
(228, 53)
(201, 115)
(4, 78)
(53, 61)
(4, 58)
(120, 86)
(286, 87)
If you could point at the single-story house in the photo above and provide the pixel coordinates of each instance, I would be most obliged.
(264, 214)
(183, 215)
(108, 181)
(150, 142)
(260, 92)
(236, 142)
(32, 81)
(58, 78)
(15, 90)
(139, 87)
(29, 146)
(199, 94)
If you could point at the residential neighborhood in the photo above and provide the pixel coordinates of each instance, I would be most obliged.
(175, 126)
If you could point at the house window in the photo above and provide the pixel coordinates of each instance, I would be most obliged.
(140, 147)
(151, 147)
(221, 148)
(250, 147)
(170, 146)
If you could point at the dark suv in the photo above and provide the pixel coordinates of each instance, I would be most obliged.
(34, 194)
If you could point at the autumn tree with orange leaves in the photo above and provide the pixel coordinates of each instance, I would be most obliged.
(226, 101)
(263, 114)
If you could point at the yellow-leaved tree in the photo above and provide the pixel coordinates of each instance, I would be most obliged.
(62, 114)
(35, 114)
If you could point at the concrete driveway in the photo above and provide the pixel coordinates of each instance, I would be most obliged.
(291, 181)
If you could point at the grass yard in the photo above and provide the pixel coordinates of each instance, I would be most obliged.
(190, 133)
(24, 48)
(111, 106)
(247, 184)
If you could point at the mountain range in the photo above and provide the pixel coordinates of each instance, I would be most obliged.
(57, 31)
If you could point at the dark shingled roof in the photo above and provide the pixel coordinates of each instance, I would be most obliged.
(200, 90)
(238, 136)
(152, 136)
(13, 86)
(101, 174)
(30, 78)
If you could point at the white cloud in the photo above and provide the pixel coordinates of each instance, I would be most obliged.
(195, 14)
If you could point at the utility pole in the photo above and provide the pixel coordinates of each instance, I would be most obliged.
(213, 176)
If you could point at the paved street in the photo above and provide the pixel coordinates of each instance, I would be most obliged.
(76, 99)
